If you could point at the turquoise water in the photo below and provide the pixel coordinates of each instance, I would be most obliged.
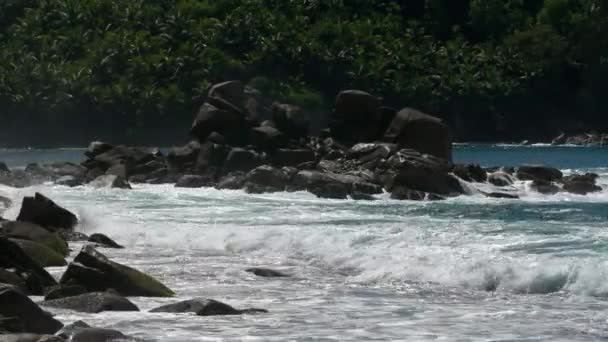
(465, 269)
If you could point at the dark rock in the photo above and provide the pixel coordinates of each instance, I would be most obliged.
(119, 170)
(267, 273)
(74, 236)
(415, 171)
(211, 157)
(286, 157)
(229, 124)
(110, 181)
(330, 190)
(70, 181)
(30, 338)
(291, 119)
(4, 168)
(194, 181)
(361, 196)
(232, 181)
(501, 195)
(15, 304)
(96, 148)
(95, 302)
(95, 272)
(64, 291)
(559, 140)
(41, 254)
(242, 160)
(311, 165)
(366, 188)
(150, 167)
(267, 176)
(34, 232)
(500, 178)
(44, 212)
(232, 92)
(216, 138)
(422, 132)
(581, 187)
(356, 117)
(539, 172)
(11, 278)
(103, 241)
(185, 157)
(401, 193)
(267, 137)
(204, 307)
(335, 155)
(544, 187)
(34, 276)
(470, 173)
(123, 155)
(79, 331)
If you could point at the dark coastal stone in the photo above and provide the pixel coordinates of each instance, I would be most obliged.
(211, 157)
(72, 236)
(232, 92)
(96, 148)
(34, 276)
(402, 193)
(291, 119)
(123, 155)
(267, 176)
(95, 272)
(232, 181)
(267, 137)
(422, 132)
(46, 213)
(13, 279)
(4, 168)
(70, 181)
(94, 302)
(501, 195)
(194, 181)
(500, 178)
(229, 124)
(79, 331)
(544, 187)
(240, 159)
(330, 190)
(204, 307)
(41, 254)
(356, 117)
(539, 172)
(361, 196)
(30, 338)
(184, 157)
(33, 232)
(288, 157)
(34, 320)
(470, 173)
(63, 291)
(103, 241)
(266, 272)
(110, 182)
(581, 187)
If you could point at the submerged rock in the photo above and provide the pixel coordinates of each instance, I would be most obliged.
(46, 213)
(193, 181)
(266, 272)
(79, 331)
(63, 291)
(95, 272)
(103, 241)
(205, 307)
(41, 254)
(36, 233)
(470, 173)
(500, 178)
(30, 338)
(544, 187)
(539, 172)
(33, 319)
(110, 181)
(581, 184)
(93, 303)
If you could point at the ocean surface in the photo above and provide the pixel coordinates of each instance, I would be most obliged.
(465, 269)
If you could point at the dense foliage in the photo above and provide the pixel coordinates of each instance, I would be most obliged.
(127, 70)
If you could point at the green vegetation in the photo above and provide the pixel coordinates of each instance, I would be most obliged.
(127, 70)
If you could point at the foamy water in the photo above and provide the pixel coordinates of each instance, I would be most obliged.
(466, 269)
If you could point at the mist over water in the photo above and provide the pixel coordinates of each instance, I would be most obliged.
(469, 268)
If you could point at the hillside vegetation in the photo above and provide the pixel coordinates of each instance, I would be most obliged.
(128, 70)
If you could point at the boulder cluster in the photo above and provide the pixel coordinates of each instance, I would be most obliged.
(92, 283)
(585, 139)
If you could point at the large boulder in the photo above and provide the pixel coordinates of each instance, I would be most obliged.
(240, 159)
(96, 148)
(46, 213)
(13, 279)
(331, 185)
(292, 157)
(581, 184)
(500, 178)
(34, 276)
(129, 157)
(231, 94)
(291, 119)
(34, 232)
(539, 173)
(356, 117)
(102, 240)
(194, 181)
(41, 254)
(232, 181)
(204, 307)
(184, 157)
(422, 132)
(422, 172)
(31, 338)
(210, 119)
(96, 272)
(33, 319)
(64, 291)
(79, 331)
(211, 158)
(267, 137)
(267, 178)
(94, 302)
(110, 182)
(470, 172)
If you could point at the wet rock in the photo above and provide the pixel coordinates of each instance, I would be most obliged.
(204, 307)
(267, 137)
(30, 338)
(194, 181)
(539, 172)
(96, 148)
(130, 157)
(232, 181)
(4, 168)
(110, 181)
(290, 119)
(46, 213)
(581, 184)
(266, 272)
(361, 196)
(544, 187)
(95, 272)
(42, 255)
(185, 157)
(36, 233)
(74, 236)
(287, 157)
(94, 302)
(470, 173)
(34, 276)
(103, 241)
(79, 331)
(500, 178)
(34, 320)
(242, 160)
(501, 195)
(356, 117)
(232, 92)
(330, 191)
(69, 181)
(401, 193)
(324, 184)
(268, 177)
(11, 278)
(64, 291)
(228, 123)
(211, 157)
(424, 133)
